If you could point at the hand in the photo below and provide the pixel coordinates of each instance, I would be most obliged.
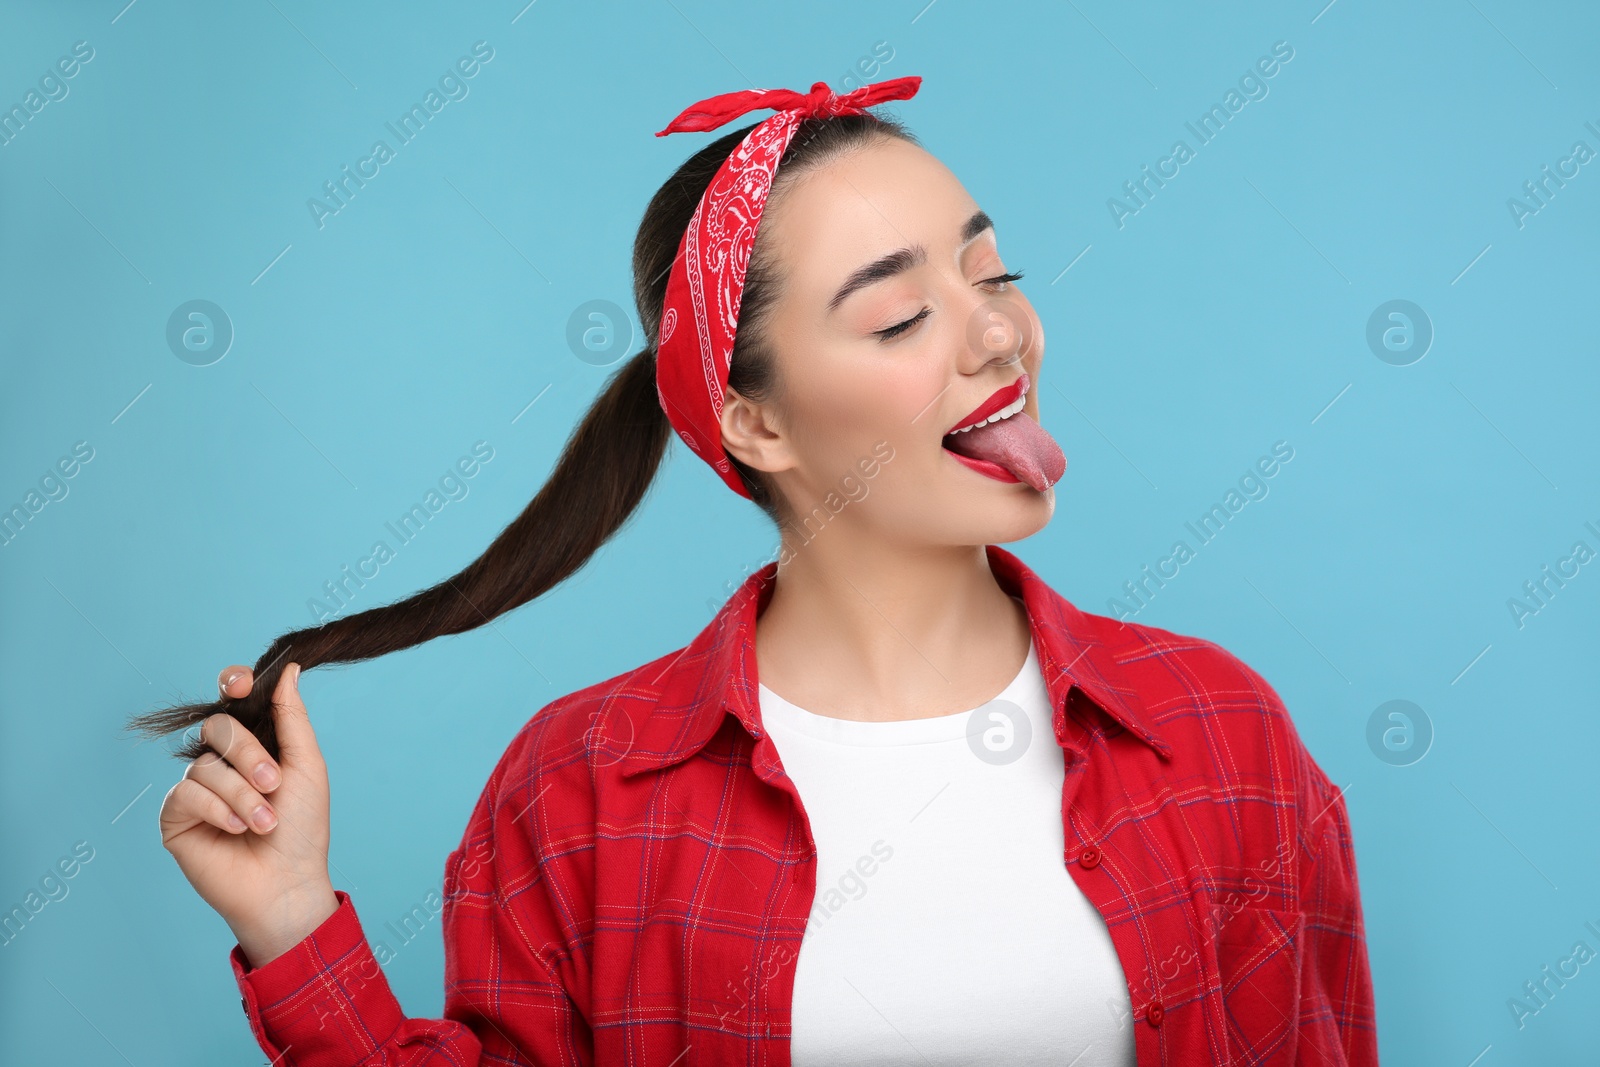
(251, 834)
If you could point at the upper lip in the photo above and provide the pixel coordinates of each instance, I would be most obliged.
(1006, 394)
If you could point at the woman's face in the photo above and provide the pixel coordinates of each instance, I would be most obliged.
(899, 359)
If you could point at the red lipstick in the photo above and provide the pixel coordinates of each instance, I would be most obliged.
(1002, 397)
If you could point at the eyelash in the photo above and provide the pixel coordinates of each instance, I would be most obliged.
(900, 327)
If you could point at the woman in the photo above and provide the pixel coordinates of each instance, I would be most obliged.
(899, 802)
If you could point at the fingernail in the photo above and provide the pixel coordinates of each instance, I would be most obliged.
(227, 683)
(235, 822)
(263, 818)
(294, 677)
(265, 775)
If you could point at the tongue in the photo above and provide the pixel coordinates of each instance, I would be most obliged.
(1018, 444)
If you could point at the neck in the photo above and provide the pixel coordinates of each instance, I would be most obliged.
(862, 628)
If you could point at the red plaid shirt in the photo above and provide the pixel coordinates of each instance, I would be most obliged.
(634, 881)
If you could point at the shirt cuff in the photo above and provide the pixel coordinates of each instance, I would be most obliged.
(325, 1001)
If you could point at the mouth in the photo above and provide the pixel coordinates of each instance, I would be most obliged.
(1000, 440)
(1002, 404)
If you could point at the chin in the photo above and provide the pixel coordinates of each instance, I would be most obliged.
(1024, 514)
(982, 515)
(944, 504)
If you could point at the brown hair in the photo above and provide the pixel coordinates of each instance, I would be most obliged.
(604, 469)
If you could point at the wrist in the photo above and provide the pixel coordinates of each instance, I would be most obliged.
(293, 919)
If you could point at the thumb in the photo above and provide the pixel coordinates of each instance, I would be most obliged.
(297, 741)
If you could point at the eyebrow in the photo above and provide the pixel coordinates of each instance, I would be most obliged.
(903, 259)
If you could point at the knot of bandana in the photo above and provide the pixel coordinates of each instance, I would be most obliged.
(700, 316)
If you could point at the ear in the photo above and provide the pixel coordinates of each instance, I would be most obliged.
(751, 434)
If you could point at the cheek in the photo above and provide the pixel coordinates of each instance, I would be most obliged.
(908, 397)
(886, 402)
(1035, 353)
(1033, 362)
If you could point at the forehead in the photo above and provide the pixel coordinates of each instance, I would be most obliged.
(853, 209)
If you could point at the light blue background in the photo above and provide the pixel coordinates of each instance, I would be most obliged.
(1227, 315)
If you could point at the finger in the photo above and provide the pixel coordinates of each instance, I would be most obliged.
(188, 804)
(235, 681)
(213, 772)
(227, 737)
(296, 739)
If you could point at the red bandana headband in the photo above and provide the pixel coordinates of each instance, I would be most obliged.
(701, 313)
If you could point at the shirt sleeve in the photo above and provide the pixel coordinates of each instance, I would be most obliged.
(1337, 1024)
(327, 1003)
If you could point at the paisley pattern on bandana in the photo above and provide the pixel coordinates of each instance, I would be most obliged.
(707, 279)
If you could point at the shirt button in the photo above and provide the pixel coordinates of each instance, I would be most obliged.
(1154, 1012)
(1089, 858)
(244, 1006)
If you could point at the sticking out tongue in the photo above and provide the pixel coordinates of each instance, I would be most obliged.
(1018, 444)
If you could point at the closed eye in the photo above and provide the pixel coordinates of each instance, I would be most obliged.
(900, 327)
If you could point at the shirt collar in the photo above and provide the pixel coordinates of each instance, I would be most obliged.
(715, 674)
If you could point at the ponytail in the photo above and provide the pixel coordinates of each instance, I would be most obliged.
(604, 470)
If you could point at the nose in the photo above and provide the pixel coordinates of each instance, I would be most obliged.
(998, 331)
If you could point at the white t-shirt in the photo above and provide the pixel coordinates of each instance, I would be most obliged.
(946, 929)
